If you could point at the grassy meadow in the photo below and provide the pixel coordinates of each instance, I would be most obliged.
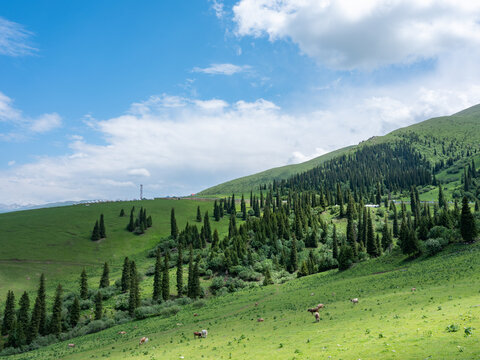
(389, 322)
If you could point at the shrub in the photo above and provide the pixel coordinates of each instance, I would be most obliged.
(150, 271)
(183, 301)
(217, 284)
(122, 302)
(452, 328)
(107, 292)
(199, 304)
(86, 304)
(433, 246)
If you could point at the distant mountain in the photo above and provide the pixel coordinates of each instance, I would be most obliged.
(4, 208)
(433, 138)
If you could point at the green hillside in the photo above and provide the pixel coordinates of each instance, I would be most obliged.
(389, 322)
(56, 241)
(463, 128)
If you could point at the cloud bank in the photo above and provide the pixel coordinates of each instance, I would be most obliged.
(14, 39)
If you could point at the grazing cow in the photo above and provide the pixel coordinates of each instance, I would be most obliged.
(320, 306)
(197, 334)
(354, 301)
(317, 317)
(260, 320)
(312, 310)
(315, 309)
(256, 304)
(414, 289)
(143, 340)
(122, 332)
(195, 314)
(312, 294)
(71, 345)
(204, 333)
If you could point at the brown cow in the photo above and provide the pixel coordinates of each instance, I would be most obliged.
(354, 301)
(197, 334)
(143, 340)
(71, 345)
(260, 320)
(195, 314)
(317, 317)
(122, 332)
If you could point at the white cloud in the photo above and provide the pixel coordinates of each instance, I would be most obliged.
(139, 172)
(222, 69)
(45, 123)
(218, 7)
(350, 34)
(14, 39)
(22, 126)
(11, 163)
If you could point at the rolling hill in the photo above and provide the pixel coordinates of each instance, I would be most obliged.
(462, 128)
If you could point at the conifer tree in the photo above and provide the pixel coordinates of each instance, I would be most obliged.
(12, 339)
(75, 312)
(216, 211)
(98, 306)
(105, 280)
(125, 281)
(23, 319)
(122, 213)
(131, 223)
(395, 222)
(335, 242)
(103, 234)
(166, 278)
(303, 271)
(83, 285)
(95, 232)
(206, 228)
(441, 199)
(157, 277)
(8, 314)
(190, 284)
(173, 225)
(180, 268)
(371, 245)
(56, 321)
(133, 298)
(39, 313)
(468, 227)
(199, 215)
(196, 281)
(293, 256)
(345, 257)
(243, 208)
(386, 235)
(215, 241)
(267, 280)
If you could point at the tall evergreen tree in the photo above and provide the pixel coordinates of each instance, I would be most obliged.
(173, 225)
(196, 291)
(441, 198)
(293, 265)
(56, 320)
(75, 312)
(125, 281)
(199, 214)
(95, 232)
(23, 319)
(83, 285)
(387, 240)
(468, 228)
(190, 284)
(98, 306)
(267, 280)
(180, 269)
(371, 244)
(166, 278)
(122, 213)
(134, 296)
(101, 227)
(157, 277)
(39, 313)
(9, 314)
(105, 279)
(395, 221)
(206, 228)
(131, 223)
(243, 208)
(335, 242)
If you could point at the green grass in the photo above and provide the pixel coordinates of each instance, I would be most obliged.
(390, 322)
(56, 241)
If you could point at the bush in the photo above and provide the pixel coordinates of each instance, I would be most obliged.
(183, 301)
(150, 271)
(122, 302)
(86, 304)
(199, 304)
(107, 292)
(216, 285)
(121, 317)
(442, 232)
(433, 246)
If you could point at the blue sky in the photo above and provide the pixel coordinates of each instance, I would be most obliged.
(98, 97)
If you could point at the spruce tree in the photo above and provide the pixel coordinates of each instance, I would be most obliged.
(9, 314)
(267, 280)
(173, 225)
(157, 277)
(335, 242)
(125, 281)
(38, 319)
(95, 232)
(199, 215)
(56, 321)
(345, 257)
(215, 241)
(386, 235)
(131, 223)
(190, 284)
(395, 222)
(293, 256)
(371, 245)
(101, 227)
(468, 227)
(166, 278)
(98, 306)
(134, 296)
(196, 291)
(180, 269)
(23, 319)
(75, 312)
(441, 199)
(122, 213)
(83, 285)
(206, 228)
(105, 280)
(303, 271)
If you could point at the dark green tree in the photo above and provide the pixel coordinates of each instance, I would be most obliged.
(371, 245)
(267, 280)
(131, 223)
(199, 214)
(9, 314)
(180, 269)
(157, 277)
(56, 320)
(196, 291)
(122, 213)
(75, 312)
(173, 225)
(101, 226)
(293, 265)
(468, 228)
(206, 228)
(441, 198)
(105, 279)
(345, 257)
(83, 285)
(395, 221)
(39, 313)
(134, 295)
(23, 319)
(98, 306)
(190, 284)
(125, 281)
(334, 242)
(95, 232)
(387, 240)
(165, 278)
